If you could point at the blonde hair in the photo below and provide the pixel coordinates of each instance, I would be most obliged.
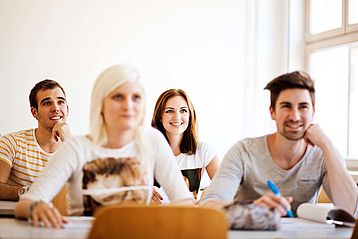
(110, 79)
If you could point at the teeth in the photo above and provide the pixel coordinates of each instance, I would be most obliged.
(55, 118)
(176, 124)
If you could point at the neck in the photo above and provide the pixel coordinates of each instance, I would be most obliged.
(45, 140)
(118, 140)
(286, 153)
(174, 142)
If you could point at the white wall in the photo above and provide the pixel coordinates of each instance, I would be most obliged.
(221, 52)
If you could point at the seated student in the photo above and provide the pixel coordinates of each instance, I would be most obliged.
(175, 117)
(133, 155)
(24, 154)
(299, 157)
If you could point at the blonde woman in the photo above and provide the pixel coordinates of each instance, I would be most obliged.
(116, 132)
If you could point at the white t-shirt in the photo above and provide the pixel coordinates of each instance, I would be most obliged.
(76, 154)
(193, 168)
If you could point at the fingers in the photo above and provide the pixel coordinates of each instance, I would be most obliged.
(156, 197)
(272, 201)
(61, 131)
(46, 215)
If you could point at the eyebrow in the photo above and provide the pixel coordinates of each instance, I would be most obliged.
(48, 98)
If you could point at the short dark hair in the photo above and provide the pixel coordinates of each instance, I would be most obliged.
(42, 85)
(190, 136)
(293, 80)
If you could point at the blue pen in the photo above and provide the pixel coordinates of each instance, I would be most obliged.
(275, 190)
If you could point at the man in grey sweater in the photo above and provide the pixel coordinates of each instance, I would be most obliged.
(299, 157)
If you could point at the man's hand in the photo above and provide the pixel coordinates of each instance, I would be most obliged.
(315, 136)
(271, 201)
(61, 131)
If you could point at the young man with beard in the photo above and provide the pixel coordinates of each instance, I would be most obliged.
(24, 154)
(298, 158)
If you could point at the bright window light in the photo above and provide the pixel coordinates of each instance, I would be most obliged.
(325, 15)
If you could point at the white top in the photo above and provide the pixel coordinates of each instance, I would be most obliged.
(193, 166)
(67, 165)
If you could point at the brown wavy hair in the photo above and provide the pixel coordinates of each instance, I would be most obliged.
(190, 139)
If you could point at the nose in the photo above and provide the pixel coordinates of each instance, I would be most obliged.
(128, 103)
(177, 115)
(294, 114)
(56, 107)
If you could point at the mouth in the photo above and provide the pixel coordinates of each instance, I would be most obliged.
(176, 123)
(294, 127)
(56, 117)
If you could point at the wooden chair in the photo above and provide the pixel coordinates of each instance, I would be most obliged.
(60, 201)
(156, 222)
(355, 231)
(322, 197)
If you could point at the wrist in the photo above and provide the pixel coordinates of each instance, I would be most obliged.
(22, 190)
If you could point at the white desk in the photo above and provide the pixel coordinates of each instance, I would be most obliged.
(11, 228)
(7, 208)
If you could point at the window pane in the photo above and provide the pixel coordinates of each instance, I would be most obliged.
(353, 126)
(353, 12)
(325, 15)
(329, 69)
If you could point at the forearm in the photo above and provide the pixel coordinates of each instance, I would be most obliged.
(343, 188)
(9, 192)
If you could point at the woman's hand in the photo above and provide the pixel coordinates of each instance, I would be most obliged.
(43, 214)
(156, 197)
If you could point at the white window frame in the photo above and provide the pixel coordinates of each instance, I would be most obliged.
(345, 35)
(345, 29)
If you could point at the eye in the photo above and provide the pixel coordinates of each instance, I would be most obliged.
(61, 102)
(137, 97)
(46, 103)
(285, 106)
(184, 111)
(303, 107)
(168, 111)
(117, 97)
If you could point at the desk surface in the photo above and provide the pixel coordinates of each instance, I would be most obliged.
(12, 228)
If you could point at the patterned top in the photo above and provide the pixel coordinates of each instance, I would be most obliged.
(24, 155)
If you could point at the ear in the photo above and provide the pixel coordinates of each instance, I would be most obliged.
(272, 113)
(34, 112)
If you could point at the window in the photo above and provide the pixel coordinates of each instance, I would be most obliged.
(332, 61)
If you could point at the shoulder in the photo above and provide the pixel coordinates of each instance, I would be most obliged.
(14, 137)
(153, 135)
(250, 143)
(248, 147)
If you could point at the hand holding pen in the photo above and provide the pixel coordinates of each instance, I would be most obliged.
(273, 201)
(276, 191)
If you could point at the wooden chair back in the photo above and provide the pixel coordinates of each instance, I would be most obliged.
(60, 201)
(355, 231)
(157, 222)
(323, 197)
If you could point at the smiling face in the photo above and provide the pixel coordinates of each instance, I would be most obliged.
(123, 108)
(293, 113)
(52, 108)
(175, 118)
